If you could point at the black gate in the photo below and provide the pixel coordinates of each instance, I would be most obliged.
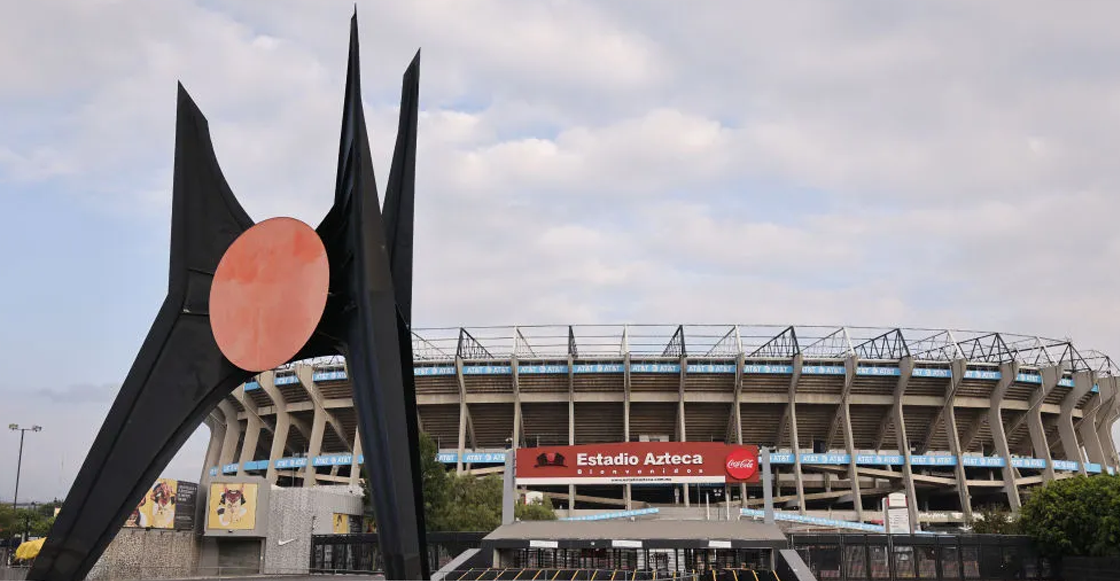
(361, 553)
(860, 557)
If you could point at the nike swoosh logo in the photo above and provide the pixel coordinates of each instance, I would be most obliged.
(282, 543)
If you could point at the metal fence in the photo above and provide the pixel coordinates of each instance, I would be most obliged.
(361, 553)
(519, 574)
(869, 557)
(1091, 568)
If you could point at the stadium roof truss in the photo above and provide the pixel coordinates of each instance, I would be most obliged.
(726, 342)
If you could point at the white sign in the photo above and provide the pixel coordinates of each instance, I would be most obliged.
(651, 459)
(544, 544)
(626, 544)
(896, 515)
(719, 544)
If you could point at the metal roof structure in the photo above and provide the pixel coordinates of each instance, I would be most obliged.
(557, 342)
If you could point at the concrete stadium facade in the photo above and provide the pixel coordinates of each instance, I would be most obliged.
(952, 419)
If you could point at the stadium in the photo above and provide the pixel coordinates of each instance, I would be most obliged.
(955, 420)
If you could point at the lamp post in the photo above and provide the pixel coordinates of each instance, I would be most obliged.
(19, 461)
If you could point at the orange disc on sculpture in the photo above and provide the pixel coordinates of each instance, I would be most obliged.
(269, 293)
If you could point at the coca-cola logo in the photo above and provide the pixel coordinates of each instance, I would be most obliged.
(741, 464)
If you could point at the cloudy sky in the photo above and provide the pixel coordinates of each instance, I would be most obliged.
(939, 164)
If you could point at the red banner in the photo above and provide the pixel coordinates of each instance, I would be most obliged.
(638, 462)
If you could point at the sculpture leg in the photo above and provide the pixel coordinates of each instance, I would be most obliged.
(179, 374)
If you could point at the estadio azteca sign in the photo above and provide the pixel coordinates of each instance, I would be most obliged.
(638, 462)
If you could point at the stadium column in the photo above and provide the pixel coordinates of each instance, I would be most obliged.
(571, 426)
(284, 422)
(1110, 395)
(850, 365)
(253, 426)
(315, 445)
(216, 422)
(232, 435)
(795, 443)
(627, 490)
(957, 369)
(515, 442)
(905, 368)
(463, 414)
(1039, 442)
(737, 415)
(682, 427)
(355, 464)
(356, 453)
(1087, 429)
(1082, 384)
(1007, 372)
(306, 376)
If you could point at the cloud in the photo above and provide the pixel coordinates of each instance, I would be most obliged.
(80, 394)
(943, 165)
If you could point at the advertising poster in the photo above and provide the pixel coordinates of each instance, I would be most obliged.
(160, 506)
(186, 498)
(347, 524)
(233, 507)
(638, 462)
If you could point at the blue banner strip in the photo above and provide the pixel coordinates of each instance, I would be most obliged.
(778, 515)
(777, 369)
(822, 370)
(543, 369)
(869, 370)
(614, 515)
(783, 458)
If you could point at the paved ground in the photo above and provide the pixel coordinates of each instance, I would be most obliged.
(288, 578)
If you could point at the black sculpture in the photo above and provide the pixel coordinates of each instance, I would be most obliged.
(181, 374)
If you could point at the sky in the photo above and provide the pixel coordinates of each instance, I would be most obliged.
(939, 164)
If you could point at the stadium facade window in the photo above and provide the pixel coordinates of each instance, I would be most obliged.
(950, 563)
(855, 561)
(926, 559)
(970, 561)
(823, 560)
(879, 561)
(904, 562)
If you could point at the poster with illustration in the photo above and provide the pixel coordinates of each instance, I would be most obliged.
(233, 507)
(157, 508)
(341, 524)
(161, 504)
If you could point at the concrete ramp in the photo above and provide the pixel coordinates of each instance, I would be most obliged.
(458, 563)
(790, 567)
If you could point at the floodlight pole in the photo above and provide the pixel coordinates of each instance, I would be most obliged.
(19, 459)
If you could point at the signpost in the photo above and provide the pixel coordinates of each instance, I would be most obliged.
(896, 514)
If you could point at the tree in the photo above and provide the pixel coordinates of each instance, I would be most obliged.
(436, 485)
(1077, 516)
(995, 520)
(36, 521)
(536, 510)
(10, 525)
(475, 504)
(454, 502)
